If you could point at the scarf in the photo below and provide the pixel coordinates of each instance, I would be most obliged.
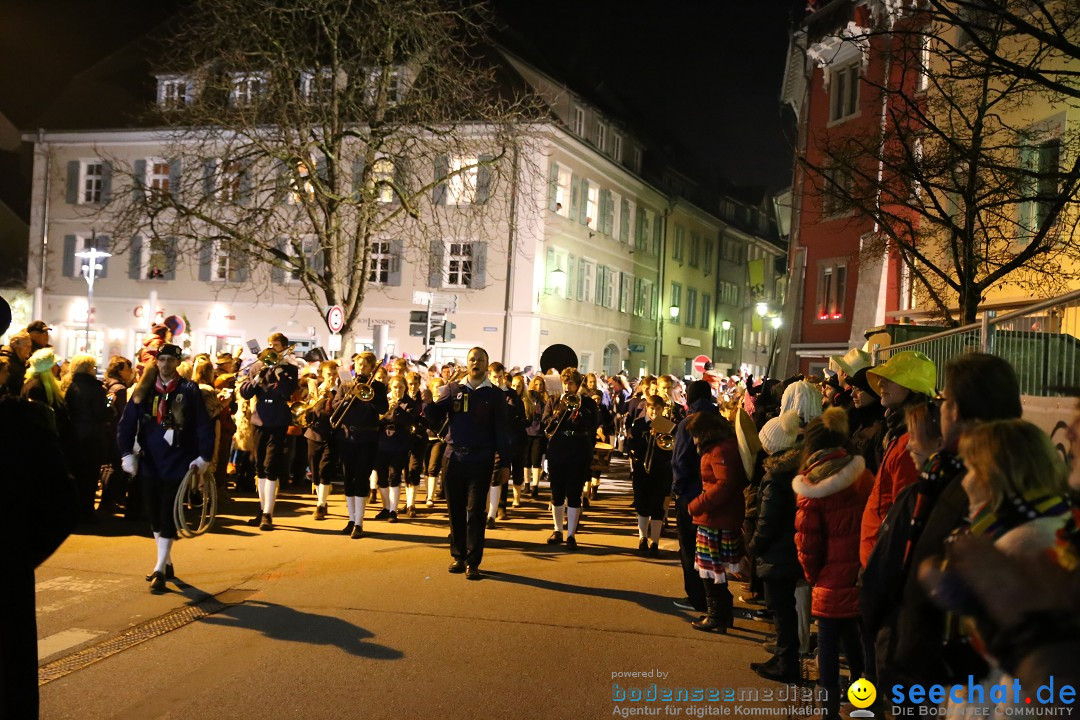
(823, 464)
(1014, 511)
(939, 471)
(162, 397)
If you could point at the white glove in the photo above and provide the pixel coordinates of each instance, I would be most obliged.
(129, 464)
(198, 464)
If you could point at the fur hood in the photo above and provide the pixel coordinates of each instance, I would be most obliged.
(833, 484)
(786, 461)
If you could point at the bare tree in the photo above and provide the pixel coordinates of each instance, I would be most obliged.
(298, 133)
(963, 183)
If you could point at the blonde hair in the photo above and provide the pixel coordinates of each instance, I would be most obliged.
(82, 363)
(1013, 458)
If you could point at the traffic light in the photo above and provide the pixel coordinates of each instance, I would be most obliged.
(448, 331)
(418, 323)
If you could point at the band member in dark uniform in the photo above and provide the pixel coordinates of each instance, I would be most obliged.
(537, 440)
(395, 440)
(174, 434)
(322, 453)
(356, 433)
(478, 430)
(571, 423)
(273, 385)
(515, 414)
(418, 449)
(651, 475)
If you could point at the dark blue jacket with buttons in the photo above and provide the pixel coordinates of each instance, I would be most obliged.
(193, 438)
(479, 426)
(685, 461)
(396, 430)
(273, 393)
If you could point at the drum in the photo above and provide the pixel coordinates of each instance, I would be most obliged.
(601, 457)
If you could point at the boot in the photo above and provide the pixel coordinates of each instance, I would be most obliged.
(830, 703)
(779, 668)
(712, 620)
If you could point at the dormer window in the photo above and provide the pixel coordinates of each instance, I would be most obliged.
(174, 91)
(393, 86)
(601, 136)
(246, 88)
(579, 121)
(316, 84)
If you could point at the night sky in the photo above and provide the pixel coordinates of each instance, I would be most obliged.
(702, 77)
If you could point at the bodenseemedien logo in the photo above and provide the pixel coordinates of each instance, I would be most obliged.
(862, 694)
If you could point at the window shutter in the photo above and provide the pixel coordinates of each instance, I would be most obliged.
(397, 251)
(438, 194)
(583, 210)
(401, 177)
(246, 186)
(582, 269)
(358, 178)
(138, 186)
(206, 259)
(103, 246)
(135, 258)
(624, 225)
(73, 167)
(553, 186)
(277, 271)
(170, 257)
(106, 182)
(435, 264)
(209, 178)
(657, 231)
(483, 179)
(242, 270)
(575, 188)
(607, 213)
(176, 176)
(315, 257)
(571, 278)
(598, 290)
(69, 255)
(479, 266)
(549, 268)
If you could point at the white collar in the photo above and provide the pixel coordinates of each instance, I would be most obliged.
(485, 383)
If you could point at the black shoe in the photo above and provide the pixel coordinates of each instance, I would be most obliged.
(571, 542)
(709, 623)
(410, 512)
(473, 573)
(555, 538)
(654, 550)
(169, 574)
(457, 567)
(383, 514)
(357, 532)
(392, 516)
(320, 512)
(157, 582)
(267, 522)
(491, 523)
(348, 528)
(584, 501)
(643, 546)
(255, 521)
(778, 669)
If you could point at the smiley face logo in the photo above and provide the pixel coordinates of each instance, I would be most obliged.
(862, 693)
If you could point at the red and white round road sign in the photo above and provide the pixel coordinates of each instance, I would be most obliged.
(335, 318)
(699, 363)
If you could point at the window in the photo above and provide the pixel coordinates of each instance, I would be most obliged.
(230, 176)
(461, 184)
(690, 319)
(608, 296)
(379, 262)
(601, 136)
(639, 297)
(624, 291)
(923, 81)
(616, 147)
(316, 85)
(650, 298)
(92, 182)
(839, 183)
(676, 300)
(592, 206)
(729, 293)
(844, 92)
(586, 280)
(637, 160)
(154, 261)
(695, 250)
(731, 251)
(393, 85)
(726, 338)
(459, 265)
(157, 177)
(173, 91)
(644, 228)
(708, 257)
(626, 214)
(224, 266)
(302, 187)
(1039, 184)
(246, 88)
(562, 192)
(832, 286)
(680, 241)
(579, 120)
(382, 174)
(706, 311)
(612, 220)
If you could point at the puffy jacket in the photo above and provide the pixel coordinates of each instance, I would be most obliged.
(721, 505)
(772, 540)
(897, 471)
(827, 536)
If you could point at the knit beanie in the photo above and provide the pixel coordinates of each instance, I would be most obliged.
(41, 361)
(780, 433)
(829, 431)
(804, 398)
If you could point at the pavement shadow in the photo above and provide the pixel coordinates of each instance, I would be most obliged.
(656, 603)
(287, 624)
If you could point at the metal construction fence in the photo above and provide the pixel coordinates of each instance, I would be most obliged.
(1041, 341)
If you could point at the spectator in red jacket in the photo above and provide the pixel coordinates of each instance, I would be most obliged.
(832, 488)
(906, 378)
(718, 514)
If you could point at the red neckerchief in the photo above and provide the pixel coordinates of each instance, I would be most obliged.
(164, 390)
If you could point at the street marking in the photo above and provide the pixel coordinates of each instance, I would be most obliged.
(63, 640)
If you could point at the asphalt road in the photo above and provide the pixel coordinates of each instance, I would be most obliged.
(312, 624)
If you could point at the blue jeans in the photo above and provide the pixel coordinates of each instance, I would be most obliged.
(831, 632)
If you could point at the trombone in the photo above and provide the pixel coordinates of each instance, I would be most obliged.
(661, 436)
(569, 402)
(362, 391)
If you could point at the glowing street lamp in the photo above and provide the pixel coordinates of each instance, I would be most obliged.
(90, 271)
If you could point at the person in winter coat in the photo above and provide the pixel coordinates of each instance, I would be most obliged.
(718, 514)
(867, 419)
(771, 544)
(17, 351)
(88, 409)
(537, 441)
(906, 378)
(832, 488)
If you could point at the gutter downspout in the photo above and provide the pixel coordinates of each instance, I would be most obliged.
(39, 291)
(511, 250)
(660, 290)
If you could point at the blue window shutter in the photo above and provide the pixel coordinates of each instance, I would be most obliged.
(657, 231)
(397, 250)
(583, 215)
(624, 224)
(483, 179)
(176, 176)
(135, 258)
(401, 178)
(242, 269)
(103, 246)
(247, 188)
(571, 278)
(435, 264)
(553, 186)
(442, 168)
(575, 188)
(598, 286)
(206, 259)
(479, 266)
(170, 257)
(106, 181)
(277, 270)
(549, 268)
(209, 178)
(316, 257)
(69, 255)
(358, 178)
(73, 167)
(138, 186)
(581, 280)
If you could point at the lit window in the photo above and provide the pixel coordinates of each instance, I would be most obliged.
(316, 85)
(224, 268)
(562, 192)
(157, 177)
(155, 259)
(246, 88)
(592, 207)
(831, 290)
(579, 120)
(230, 177)
(173, 91)
(461, 185)
(302, 187)
(383, 176)
(459, 265)
(92, 182)
(379, 262)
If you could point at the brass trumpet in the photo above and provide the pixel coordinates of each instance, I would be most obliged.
(270, 357)
(569, 402)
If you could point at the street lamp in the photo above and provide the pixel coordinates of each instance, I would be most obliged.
(725, 325)
(558, 281)
(762, 309)
(776, 322)
(674, 310)
(90, 270)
